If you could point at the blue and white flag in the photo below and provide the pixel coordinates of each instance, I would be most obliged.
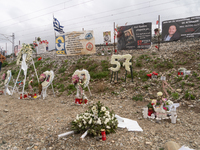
(57, 26)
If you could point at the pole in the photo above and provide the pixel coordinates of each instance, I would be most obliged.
(114, 36)
(158, 32)
(13, 44)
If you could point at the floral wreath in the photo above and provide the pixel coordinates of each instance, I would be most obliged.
(7, 77)
(26, 49)
(46, 83)
(76, 78)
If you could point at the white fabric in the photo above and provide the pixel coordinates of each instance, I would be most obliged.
(131, 125)
(24, 65)
(185, 148)
(8, 91)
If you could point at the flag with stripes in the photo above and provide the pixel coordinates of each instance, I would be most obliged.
(57, 26)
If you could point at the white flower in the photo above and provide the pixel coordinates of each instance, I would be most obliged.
(107, 113)
(94, 109)
(103, 108)
(169, 102)
(108, 127)
(90, 121)
(84, 122)
(77, 117)
(80, 125)
(99, 121)
(106, 121)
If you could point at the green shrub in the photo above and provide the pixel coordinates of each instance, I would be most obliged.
(5, 64)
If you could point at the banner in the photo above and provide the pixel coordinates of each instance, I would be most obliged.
(134, 36)
(41, 48)
(173, 30)
(17, 48)
(75, 43)
(107, 37)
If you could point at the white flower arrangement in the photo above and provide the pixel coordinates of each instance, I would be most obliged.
(45, 83)
(169, 102)
(96, 118)
(26, 49)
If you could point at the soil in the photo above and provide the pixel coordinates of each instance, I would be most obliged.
(35, 124)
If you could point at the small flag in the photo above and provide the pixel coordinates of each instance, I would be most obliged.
(57, 26)
(157, 22)
(126, 23)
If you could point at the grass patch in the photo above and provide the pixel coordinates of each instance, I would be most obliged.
(71, 87)
(5, 64)
(99, 75)
(175, 95)
(138, 97)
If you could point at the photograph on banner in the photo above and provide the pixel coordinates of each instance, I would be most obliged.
(173, 30)
(75, 43)
(134, 36)
(107, 37)
(17, 48)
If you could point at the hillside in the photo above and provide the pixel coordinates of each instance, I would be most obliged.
(37, 122)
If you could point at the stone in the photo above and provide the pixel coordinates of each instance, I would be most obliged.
(148, 143)
(179, 90)
(5, 110)
(171, 145)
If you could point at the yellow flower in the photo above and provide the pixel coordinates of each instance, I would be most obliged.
(159, 94)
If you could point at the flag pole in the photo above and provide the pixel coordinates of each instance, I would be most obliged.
(158, 32)
(54, 31)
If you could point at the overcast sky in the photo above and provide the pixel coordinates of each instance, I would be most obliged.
(28, 19)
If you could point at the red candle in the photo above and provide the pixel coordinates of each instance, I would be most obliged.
(178, 73)
(103, 133)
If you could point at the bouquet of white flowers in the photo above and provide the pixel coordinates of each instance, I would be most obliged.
(96, 118)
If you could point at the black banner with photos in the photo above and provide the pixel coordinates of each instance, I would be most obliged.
(134, 36)
(173, 30)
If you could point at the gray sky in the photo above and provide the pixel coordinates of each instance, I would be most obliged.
(28, 19)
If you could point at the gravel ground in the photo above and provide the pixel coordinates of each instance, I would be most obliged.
(35, 124)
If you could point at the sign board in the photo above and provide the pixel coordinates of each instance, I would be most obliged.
(173, 30)
(41, 48)
(136, 36)
(75, 43)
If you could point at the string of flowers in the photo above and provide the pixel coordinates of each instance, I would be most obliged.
(96, 118)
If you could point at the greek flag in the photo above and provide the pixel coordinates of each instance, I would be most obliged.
(57, 26)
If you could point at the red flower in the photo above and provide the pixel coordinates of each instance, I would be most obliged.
(39, 58)
(156, 46)
(149, 75)
(155, 73)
